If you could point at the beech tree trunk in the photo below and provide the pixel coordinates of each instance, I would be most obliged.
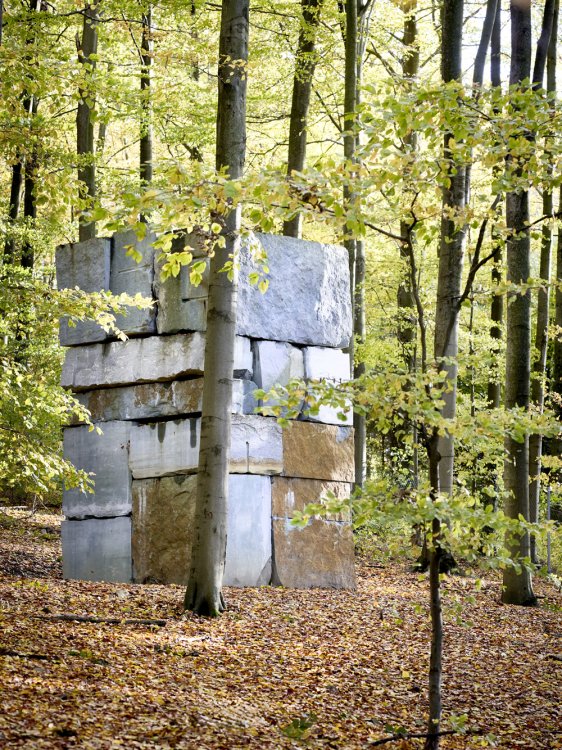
(451, 248)
(85, 150)
(518, 585)
(550, 26)
(302, 87)
(204, 590)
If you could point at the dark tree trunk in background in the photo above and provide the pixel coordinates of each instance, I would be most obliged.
(204, 590)
(29, 206)
(518, 586)
(29, 105)
(87, 47)
(302, 87)
(548, 58)
(146, 115)
(496, 312)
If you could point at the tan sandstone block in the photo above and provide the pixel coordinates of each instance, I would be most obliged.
(320, 555)
(318, 451)
(163, 525)
(289, 494)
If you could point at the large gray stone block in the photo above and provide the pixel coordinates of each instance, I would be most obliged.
(133, 361)
(275, 363)
(131, 277)
(175, 311)
(248, 548)
(164, 529)
(308, 300)
(97, 549)
(85, 265)
(102, 264)
(165, 448)
(333, 366)
(172, 447)
(107, 456)
(256, 445)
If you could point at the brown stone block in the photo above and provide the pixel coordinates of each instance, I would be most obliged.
(320, 555)
(163, 527)
(145, 401)
(289, 494)
(318, 451)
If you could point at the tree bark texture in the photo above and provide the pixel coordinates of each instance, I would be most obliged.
(146, 114)
(517, 585)
(204, 590)
(302, 87)
(550, 24)
(350, 112)
(496, 312)
(85, 150)
(451, 249)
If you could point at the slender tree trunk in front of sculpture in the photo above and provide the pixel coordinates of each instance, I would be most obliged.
(204, 590)
(517, 584)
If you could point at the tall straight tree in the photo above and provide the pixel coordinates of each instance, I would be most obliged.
(547, 40)
(305, 63)
(87, 48)
(496, 312)
(451, 252)
(517, 584)
(204, 589)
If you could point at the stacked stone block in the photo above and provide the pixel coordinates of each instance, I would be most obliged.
(145, 395)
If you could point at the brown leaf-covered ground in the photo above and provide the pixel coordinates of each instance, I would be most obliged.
(281, 669)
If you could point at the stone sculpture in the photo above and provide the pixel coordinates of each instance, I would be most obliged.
(145, 394)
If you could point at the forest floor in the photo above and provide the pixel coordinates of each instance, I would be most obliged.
(280, 669)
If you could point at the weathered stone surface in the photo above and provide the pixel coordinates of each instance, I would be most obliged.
(85, 265)
(130, 277)
(133, 361)
(243, 400)
(174, 312)
(289, 494)
(163, 528)
(107, 456)
(256, 445)
(145, 401)
(308, 300)
(172, 447)
(97, 549)
(321, 555)
(164, 448)
(243, 359)
(102, 264)
(332, 365)
(160, 400)
(318, 451)
(248, 549)
(275, 363)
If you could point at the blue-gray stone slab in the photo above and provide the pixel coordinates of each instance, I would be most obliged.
(97, 549)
